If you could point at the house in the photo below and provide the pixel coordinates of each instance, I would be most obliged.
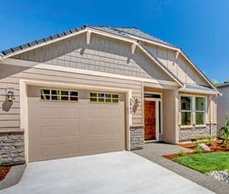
(98, 89)
(223, 104)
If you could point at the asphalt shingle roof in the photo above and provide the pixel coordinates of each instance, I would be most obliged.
(199, 88)
(130, 31)
(223, 85)
(126, 32)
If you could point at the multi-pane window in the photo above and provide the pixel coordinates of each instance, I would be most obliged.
(186, 110)
(104, 97)
(193, 110)
(200, 110)
(58, 95)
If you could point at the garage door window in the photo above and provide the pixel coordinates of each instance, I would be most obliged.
(58, 95)
(104, 97)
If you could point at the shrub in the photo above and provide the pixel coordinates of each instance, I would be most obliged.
(198, 150)
(181, 152)
(225, 131)
(208, 139)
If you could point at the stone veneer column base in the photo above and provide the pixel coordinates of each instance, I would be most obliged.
(12, 148)
(187, 134)
(136, 138)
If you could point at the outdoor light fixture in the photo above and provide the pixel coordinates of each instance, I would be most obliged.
(10, 96)
(136, 102)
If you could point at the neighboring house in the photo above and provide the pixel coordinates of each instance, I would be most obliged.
(223, 104)
(99, 89)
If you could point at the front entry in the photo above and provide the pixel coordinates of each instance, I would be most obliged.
(150, 120)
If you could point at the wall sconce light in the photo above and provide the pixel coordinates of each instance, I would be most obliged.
(136, 102)
(10, 96)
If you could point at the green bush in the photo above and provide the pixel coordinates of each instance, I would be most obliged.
(225, 131)
(208, 139)
(181, 152)
(198, 150)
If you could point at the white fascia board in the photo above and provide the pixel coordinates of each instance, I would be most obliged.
(30, 64)
(44, 43)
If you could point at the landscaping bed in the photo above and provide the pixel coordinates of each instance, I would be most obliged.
(214, 162)
(215, 147)
(3, 171)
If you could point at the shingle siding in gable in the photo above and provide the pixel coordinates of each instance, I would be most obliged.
(103, 55)
(180, 67)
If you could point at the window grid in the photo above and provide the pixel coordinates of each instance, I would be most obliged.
(104, 97)
(58, 95)
(195, 112)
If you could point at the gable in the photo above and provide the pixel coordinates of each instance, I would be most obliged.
(102, 54)
(178, 65)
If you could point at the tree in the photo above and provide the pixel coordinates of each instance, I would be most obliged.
(215, 82)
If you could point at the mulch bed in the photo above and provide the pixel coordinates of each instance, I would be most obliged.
(3, 171)
(216, 147)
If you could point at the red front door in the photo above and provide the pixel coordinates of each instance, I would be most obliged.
(150, 120)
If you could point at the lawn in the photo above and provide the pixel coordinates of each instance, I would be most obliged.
(206, 162)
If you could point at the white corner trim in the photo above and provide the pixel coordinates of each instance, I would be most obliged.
(24, 116)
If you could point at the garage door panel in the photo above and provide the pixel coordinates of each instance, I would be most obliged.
(113, 112)
(105, 129)
(60, 131)
(60, 140)
(56, 151)
(104, 146)
(59, 122)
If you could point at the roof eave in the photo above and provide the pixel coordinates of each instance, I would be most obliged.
(37, 45)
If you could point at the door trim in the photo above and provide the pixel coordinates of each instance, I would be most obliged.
(159, 117)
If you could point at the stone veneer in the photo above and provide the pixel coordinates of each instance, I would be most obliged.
(136, 137)
(187, 134)
(12, 148)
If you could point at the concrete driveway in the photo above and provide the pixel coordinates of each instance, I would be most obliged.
(116, 172)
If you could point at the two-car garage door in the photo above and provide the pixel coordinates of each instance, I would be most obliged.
(60, 128)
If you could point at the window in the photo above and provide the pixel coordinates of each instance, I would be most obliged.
(58, 95)
(104, 97)
(186, 116)
(193, 110)
(200, 110)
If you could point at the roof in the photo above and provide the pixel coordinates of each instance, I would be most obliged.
(198, 89)
(127, 32)
(131, 33)
(223, 85)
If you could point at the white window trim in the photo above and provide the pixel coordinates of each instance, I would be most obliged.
(193, 111)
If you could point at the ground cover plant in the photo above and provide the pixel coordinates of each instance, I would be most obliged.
(207, 162)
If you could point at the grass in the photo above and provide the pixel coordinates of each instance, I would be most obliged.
(206, 162)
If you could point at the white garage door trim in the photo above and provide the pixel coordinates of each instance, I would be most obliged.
(24, 104)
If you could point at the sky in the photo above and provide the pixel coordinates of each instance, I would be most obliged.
(199, 27)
